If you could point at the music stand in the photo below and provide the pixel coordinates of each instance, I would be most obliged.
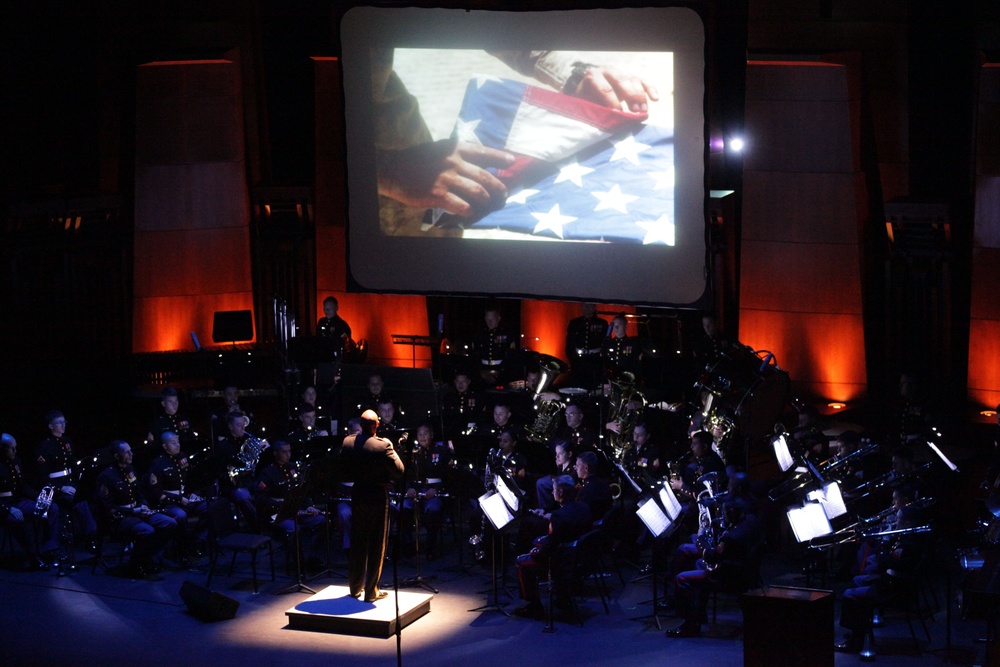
(660, 513)
(416, 580)
(323, 475)
(289, 509)
(495, 508)
(232, 326)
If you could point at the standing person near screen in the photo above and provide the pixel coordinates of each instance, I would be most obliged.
(491, 347)
(584, 342)
(622, 353)
(372, 464)
(333, 327)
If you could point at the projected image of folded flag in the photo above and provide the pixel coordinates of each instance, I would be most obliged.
(583, 172)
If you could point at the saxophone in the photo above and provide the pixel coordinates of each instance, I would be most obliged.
(44, 501)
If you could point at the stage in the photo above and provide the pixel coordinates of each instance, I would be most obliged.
(334, 610)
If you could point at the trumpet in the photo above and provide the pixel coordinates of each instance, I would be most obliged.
(44, 502)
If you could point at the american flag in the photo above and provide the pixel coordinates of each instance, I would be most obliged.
(583, 172)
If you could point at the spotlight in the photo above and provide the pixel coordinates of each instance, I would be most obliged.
(836, 406)
(736, 145)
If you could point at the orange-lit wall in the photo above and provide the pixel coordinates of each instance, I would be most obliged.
(804, 201)
(192, 245)
(984, 329)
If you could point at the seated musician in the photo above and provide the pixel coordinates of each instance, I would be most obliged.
(165, 487)
(56, 459)
(310, 397)
(425, 474)
(18, 505)
(306, 431)
(488, 432)
(236, 458)
(375, 390)
(725, 559)
(564, 462)
(461, 411)
(702, 461)
(644, 458)
(124, 510)
(230, 404)
(594, 490)
(568, 522)
(390, 426)
(275, 480)
(894, 562)
(580, 437)
(507, 456)
(169, 418)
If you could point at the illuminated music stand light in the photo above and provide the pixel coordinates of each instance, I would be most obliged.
(809, 522)
(830, 499)
(783, 453)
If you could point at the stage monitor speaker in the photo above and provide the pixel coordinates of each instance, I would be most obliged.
(206, 604)
(232, 326)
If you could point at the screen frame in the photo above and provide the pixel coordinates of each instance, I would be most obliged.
(654, 275)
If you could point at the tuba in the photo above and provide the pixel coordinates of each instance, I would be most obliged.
(623, 413)
(44, 501)
(546, 411)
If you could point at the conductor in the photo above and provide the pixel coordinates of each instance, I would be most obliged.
(372, 463)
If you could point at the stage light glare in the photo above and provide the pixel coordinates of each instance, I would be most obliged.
(736, 145)
(836, 406)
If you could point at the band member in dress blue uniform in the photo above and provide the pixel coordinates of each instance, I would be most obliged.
(333, 327)
(584, 342)
(622, 353)
(125, 510)
(18, 503)
(56, 461)
(430, 460)
(166, 488)
(171, 419)
(274, 482)
(491, 347)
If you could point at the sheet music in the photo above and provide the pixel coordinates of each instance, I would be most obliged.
(670, 503)
(495, 509)
(654, 517)
(509, 495)
(809, 522)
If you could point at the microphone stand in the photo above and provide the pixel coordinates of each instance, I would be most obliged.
(290, 506)
(416, 580)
